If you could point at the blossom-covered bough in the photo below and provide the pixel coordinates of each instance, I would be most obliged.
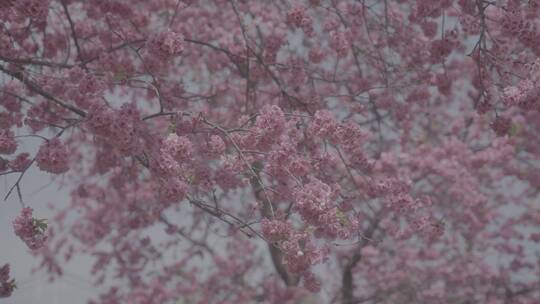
(322, 151)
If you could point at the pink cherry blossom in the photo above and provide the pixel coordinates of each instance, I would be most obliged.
(167, 44)
(7, 285)
(300, 151)
(8, 145)
(53, 157)
(32, 231)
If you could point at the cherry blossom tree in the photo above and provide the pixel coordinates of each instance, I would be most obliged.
(322, 151)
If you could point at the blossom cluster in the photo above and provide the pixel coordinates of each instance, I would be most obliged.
(8, 145)
(20, 163)
(172, 163)
(29, 229)
(53, 157)
(316, 202)
(119, 127)
(300, 253)
(6, 285)
(298, 17)
(524, 95)
(172, 154)
(166, 44)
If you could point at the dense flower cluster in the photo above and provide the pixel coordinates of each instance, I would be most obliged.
(268, 126)
(21, 162)
(298, 17)
(118, 127)
(167, 44)
(177, 147)
(216, 144)
(317, 204)
(324, 124)
(172, 156)
(300, 253)
(90, 85)
(501, 125)
(8, 145)
(34, 9)
(53, 157)
(174, 189)
(7, 285)
(32, 231)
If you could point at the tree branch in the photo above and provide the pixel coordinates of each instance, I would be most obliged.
(36, 89)
(347, 283)
(73, 34)
(275, 253)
